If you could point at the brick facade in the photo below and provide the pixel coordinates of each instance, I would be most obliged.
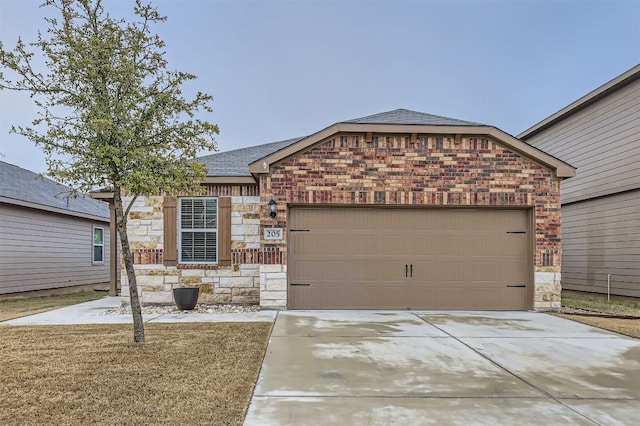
(438, 170)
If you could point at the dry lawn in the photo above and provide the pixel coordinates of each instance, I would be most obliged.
(596, 304)
(186, 374)
(628, 327)
(16, 308)
(599, 303)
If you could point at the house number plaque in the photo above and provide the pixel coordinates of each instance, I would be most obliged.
(272, 233)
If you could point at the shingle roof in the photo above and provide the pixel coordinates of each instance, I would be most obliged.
(405, 116)
(21, 185)
(236, 162)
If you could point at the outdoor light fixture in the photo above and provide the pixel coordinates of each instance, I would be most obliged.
(273, 207)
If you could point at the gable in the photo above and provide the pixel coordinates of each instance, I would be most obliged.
(369, 132)
(437, 169)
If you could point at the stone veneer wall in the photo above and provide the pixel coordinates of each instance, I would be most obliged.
(430, 170)
(238, 283)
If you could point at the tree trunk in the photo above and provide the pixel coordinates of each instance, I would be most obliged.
(136, 310)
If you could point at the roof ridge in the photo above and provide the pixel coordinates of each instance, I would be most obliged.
(407, 116)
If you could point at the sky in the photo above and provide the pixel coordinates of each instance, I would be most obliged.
(284, 69)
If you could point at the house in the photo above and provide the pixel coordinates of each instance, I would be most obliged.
(49, 241)
(391, 211)
(600, 135)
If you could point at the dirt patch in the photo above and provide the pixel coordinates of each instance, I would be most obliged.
(195, 373)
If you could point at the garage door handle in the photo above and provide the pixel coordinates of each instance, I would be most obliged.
(408, 270)
(300, 284)
(517, 285)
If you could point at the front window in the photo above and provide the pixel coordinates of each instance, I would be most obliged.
(98, 244)
(198, 226)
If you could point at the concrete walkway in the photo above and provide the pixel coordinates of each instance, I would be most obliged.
(418, 368)
(94, 313)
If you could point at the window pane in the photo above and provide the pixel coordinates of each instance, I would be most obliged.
(199, 247)
(98, 236)
(211, 214)
(198, 213)
(186, 213)
(97, 254)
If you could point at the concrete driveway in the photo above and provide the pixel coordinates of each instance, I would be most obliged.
(416, 368)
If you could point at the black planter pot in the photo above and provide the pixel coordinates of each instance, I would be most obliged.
(186, 298)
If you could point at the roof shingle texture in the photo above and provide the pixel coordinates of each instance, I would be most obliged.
(23, 185)
(236, 162)
(405, 116)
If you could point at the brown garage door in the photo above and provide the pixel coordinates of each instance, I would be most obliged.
(382, 258)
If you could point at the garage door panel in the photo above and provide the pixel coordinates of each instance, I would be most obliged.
(456, 298)
(391, 294)
(512, 246)
(336, 244)
(366, 258)
(351, 271)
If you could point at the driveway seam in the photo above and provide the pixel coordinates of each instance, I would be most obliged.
(542, 391)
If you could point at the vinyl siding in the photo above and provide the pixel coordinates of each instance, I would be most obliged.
(600, 237)
(41, 250)
(602, 141)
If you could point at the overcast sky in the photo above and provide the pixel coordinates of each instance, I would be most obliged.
(282, 69)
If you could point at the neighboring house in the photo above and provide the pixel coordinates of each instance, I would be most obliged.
(48, 241)
(391, 211)
(600, 135)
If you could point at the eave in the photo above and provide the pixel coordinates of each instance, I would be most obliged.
(588, 99)
(230, 180)
(56, 210)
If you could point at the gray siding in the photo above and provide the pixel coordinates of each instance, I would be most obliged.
(602, 141)
(600, 237)
(42, 250)
(601, 204)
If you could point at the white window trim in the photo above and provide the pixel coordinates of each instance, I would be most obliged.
(94, 245)
(198, 230)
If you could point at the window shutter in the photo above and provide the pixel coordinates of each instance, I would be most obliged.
(170, 212)
(224, 231)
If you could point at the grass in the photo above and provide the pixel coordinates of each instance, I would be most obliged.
(186, 374)
(599, 304)
(16, 308)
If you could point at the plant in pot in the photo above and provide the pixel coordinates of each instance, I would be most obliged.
(186, 297)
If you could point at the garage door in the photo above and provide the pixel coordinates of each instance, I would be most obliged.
(382, 258)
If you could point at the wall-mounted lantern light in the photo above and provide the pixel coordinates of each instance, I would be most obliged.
(273, 208)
